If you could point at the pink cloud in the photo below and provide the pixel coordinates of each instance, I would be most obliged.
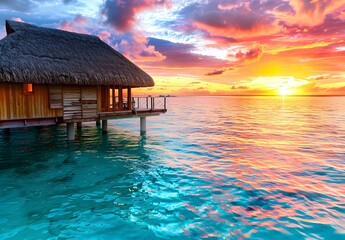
(238, 20)
(252, 54)
(310, 12)
(138, 49)
(78, 24)
(121, 14)
(104, 35)
(17, 19)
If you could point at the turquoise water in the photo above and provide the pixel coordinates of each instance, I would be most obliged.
(211, 168)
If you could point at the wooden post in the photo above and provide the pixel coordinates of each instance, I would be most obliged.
(104, 126)
(129, 98)
(7, 131)
(98, 123)
(79, 125)
(120, 98)
(70, 132)
(165, 103)
(142, 125)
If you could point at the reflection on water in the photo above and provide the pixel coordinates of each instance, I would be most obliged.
(212, 167)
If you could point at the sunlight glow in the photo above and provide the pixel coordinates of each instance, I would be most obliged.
(284, 91)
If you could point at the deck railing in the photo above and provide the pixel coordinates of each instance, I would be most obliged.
(149, 103)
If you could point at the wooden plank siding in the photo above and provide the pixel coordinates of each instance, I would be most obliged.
(55, 97)
(89, 102)
(71, 103)
(50, 104)
(14, 104)
(79, 103)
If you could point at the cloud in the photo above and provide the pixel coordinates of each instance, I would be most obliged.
(239, 87)
(250, 55)
(219, 40)
(309, 12)
(104, 35)
(78, 24)
(17, 19)
(69, 1)
(318, 77)
(137, 47)
(216, 72)
(238, 19)
(179, 55)
(17, 5)
(121, 14)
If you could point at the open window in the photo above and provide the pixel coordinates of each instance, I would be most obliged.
(28, 88)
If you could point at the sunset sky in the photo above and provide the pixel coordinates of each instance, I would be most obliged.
(218, 47)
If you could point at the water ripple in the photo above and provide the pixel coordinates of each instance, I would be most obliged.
(235, 168)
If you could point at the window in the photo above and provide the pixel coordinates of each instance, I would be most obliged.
(28, 88)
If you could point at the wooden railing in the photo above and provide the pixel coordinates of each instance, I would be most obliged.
(149, 103)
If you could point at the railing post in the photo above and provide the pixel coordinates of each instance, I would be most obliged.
(152, 103)
(165, 103)
(138, 103)
(147, 102)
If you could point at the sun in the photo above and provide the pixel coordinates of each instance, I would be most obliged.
(284, 91)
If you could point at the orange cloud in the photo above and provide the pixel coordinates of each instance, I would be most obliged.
(310, 12)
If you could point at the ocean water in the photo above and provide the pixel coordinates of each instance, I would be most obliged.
(210, 168)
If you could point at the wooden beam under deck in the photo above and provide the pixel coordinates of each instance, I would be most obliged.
(30, 122)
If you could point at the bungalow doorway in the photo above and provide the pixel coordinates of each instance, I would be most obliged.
(115, 98)
(111, 98)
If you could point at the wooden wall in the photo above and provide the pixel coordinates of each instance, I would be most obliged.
(79, 103)
(73, 103)
(14, 104)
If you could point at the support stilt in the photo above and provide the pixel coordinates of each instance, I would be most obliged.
(104, 126)
(98, 123)
(7, 131)
(79, 125)
(142, 125)
(70, 132)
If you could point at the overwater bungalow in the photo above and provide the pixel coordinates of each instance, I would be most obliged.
(50, 76)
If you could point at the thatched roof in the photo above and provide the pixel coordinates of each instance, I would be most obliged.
(31, 54)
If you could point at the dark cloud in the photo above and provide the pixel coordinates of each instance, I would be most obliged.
(180, 55)
(121, 14)
(238, 16)
(319, 77)
(69, 1)
(17, 5)
(249, 55)
(216, 72)
(239, 87)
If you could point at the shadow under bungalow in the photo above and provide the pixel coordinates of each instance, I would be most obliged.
(50, 76)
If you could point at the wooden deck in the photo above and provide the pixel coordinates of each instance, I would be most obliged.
(141, 107)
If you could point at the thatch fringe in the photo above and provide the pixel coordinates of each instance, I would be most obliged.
(31, 54)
